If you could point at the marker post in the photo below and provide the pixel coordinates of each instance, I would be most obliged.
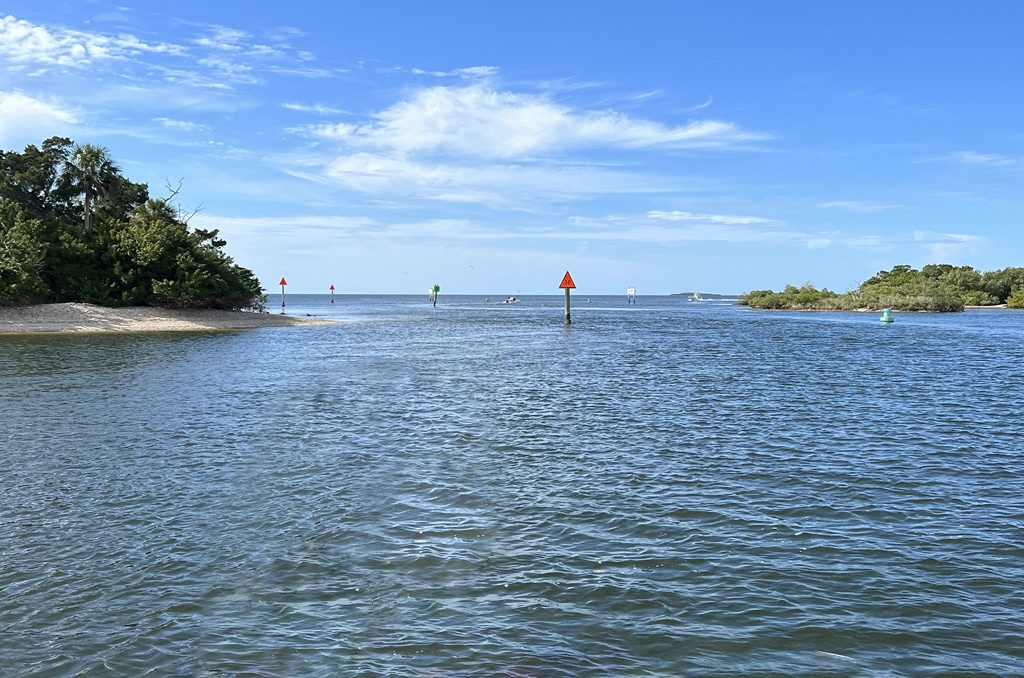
(567, 284)
(332, 294)
(282, 283)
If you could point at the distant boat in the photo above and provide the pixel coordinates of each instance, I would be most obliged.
(696, 297)
(510, 300)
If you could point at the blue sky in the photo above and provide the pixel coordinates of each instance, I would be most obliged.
(490, 146)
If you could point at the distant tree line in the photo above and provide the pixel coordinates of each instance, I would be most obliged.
(74, 228)
(936, 287)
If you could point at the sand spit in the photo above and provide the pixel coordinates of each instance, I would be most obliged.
(89, 318)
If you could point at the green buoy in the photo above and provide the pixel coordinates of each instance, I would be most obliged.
(887, 316)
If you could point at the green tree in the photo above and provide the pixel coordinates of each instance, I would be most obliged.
(21, 257)
(31, 178)
(1016, 299)
(1002, 283)
(159, 261)
(73, 228)
(94, 175)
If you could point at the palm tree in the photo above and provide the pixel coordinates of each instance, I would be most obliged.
(94, 174)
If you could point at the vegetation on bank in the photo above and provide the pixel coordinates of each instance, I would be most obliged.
(74, 228)
(936, 287)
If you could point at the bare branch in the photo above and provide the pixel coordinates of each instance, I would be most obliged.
(184, 219)
(174, 191)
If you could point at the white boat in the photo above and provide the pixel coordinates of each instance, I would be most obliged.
(696, 297)
(510, 300)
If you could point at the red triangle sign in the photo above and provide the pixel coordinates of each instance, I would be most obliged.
(332, 288)
(567, 282)
(283, 282)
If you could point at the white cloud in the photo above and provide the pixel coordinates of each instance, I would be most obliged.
(233, 71)
(288, 226)
(24, 42)
(477, 144)
(946, 238)
(674, 227)
(26, 118)
(182, 125)
(224, 39)
(494, 184)
(858, 206)
(468, 73)
(710, 100)
(989, 159)
(662, 228)
(319, 109)
(949, 247)
(725, 219)
(222, 58)
(479, 121)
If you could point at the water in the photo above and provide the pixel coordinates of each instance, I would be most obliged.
(671, 488)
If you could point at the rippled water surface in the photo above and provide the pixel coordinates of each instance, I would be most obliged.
(671, 488)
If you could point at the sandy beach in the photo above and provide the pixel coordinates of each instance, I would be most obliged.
(73, 317)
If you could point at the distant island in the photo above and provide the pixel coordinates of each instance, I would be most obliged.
(73, 228)
(936, 287)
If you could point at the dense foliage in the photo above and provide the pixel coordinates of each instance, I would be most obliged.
(936, 287)
(73, 228)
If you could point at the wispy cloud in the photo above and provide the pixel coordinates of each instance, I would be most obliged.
(698, 107)
(182, 125)
(949, 247)
(339, 226)
(673, 227)
(477, 143)
(667, 227)
(21, 115)
(480, 121)
(497, 185)
(217, 55)
(224, 39)
(230, 70)
(22, 43)
(987, 159)
(859, 206)
(116, 76)
(472, 72)
(319, 109)
(723, 219)
(658, 228)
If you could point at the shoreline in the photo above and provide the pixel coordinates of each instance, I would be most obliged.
(78, 318)
(877, 310)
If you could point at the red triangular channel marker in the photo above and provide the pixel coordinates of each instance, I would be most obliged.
(332, 288)
(567, 282)
(283, 282)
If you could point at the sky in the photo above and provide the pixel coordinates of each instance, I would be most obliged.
(489, 147)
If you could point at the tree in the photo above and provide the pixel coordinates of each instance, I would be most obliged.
(73, 228)
(158, 261)
(94, 174)
(1001, 284)
(21, 257)
(31, 178)
(1016, 299)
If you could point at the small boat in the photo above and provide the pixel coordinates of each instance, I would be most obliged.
(696, 297)
(510, 300)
